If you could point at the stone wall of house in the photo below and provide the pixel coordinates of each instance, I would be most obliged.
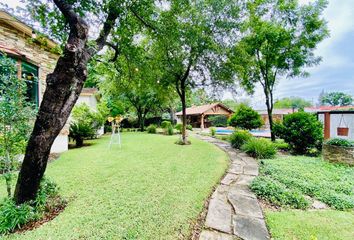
(35, 54)
(44, 59)
(338, 154)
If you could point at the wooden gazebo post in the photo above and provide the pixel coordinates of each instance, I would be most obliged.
(202, 122)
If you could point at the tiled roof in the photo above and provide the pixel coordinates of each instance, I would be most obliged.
(196, 110)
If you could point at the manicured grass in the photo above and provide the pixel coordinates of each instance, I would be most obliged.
(327, 182)
(151, 188)
(311, 225)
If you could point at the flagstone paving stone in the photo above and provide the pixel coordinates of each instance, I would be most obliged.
(234, 211)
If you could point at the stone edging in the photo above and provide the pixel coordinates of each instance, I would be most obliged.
(234, 211)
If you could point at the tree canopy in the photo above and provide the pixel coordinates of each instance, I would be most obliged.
(278, 40)
(336, 99)
(292, 102)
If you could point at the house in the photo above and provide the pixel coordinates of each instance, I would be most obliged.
(35, 60)
(197, 116)
(338, 121)
(278, 115)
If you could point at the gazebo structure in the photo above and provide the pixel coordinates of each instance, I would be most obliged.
(197, 116)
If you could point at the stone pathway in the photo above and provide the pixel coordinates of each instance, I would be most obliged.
(234, 211)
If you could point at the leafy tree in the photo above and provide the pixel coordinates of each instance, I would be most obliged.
(292, 102)
(191, 38)
(278, 40)
(246, 118)
(301, 130)
(336, 99)
(15, 116)
(69, 21)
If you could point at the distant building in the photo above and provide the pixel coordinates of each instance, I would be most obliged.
(197, 116)
(278, 115)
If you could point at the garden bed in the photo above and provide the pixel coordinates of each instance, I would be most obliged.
(338, 154)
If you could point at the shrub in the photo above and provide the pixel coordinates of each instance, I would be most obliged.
(165, 124)
(189, 127)
(340, 142)
(218, 120)
(170, 130)
(278, 194)
(213, 131)
(14, 216)
(79, 131)
(179, 127)
(280, 144)
(301, 130)
(259, 148)
(246, 118)
(151, 128)
(239, 137)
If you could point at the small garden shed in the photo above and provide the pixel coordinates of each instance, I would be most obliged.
(197, 116)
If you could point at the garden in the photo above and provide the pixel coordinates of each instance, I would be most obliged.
(157, 189)
(303, 194)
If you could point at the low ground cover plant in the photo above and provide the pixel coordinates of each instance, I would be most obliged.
(302, 131)
(310, 176)
(239, 137)
(260, 148)
(213, 131)
(340, 142)
(14, 216)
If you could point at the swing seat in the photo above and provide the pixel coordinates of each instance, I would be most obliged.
(342, 131)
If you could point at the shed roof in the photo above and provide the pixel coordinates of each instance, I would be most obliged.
(88, 91)
(197, 110)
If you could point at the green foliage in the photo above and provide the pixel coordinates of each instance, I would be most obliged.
(280, 144)
(79, 131)
(276, 193)
(212, 131)
(218, 120)
(179, 127)
(15, 119)
(292, 102)
(85, 116)
(165, 124)
(259, 148)
(279, 39)
(336, 99)
(327, 182)
(340, 142)
(239, 137)
(189, 127)
(301, 130)
(170, 130)
(151, 128)
(14, 216)
(246, 118)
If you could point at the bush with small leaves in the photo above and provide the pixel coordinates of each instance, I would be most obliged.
(301, 130)
(170, 130)
(179, 127)
(239, 137)
(246, 118)
(165, 124)
(151, 128)
(189, 127)
(259, 148)
(213, 131)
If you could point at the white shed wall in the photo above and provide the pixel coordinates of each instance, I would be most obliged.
(348, 121)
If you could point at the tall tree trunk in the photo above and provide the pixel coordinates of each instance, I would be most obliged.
(62, 91)
(184, 116)
(270, 117)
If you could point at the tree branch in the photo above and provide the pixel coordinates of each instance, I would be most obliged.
(142, 20)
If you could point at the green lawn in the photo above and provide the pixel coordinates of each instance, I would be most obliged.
(330, 183)
(149, 189)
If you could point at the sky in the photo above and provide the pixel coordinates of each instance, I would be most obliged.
(334, 73)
